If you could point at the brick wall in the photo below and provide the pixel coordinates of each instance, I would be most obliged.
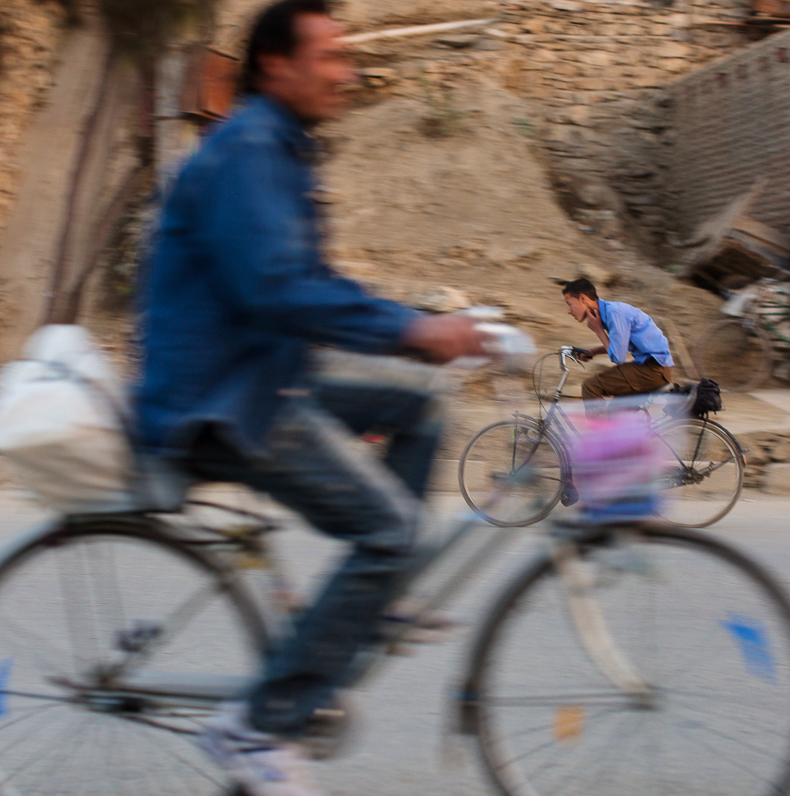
(730, 125)
(599, 71)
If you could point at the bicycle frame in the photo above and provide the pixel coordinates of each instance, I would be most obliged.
(183, 695)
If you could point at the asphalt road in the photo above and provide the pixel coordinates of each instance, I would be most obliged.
(400, 744)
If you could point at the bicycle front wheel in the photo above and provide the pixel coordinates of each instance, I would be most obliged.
(735, 353)
(512, 473)
(702, 474)
(90, 614)
(705, 627)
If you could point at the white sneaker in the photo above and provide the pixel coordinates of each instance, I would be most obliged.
(260, 764)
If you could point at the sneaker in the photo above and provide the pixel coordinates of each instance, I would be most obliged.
(259, 764)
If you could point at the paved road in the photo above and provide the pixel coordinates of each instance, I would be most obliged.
(398, 746)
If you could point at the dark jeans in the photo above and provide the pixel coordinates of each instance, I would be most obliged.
(313, 464)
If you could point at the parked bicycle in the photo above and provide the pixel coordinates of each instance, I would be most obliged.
(739, 352)
(703, 474)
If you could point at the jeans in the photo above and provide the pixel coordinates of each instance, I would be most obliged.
(314, 465)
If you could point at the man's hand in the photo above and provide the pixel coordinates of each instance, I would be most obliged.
(590, 353)
(443, 338)
(594, 322)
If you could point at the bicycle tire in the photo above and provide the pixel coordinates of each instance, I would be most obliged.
(705, 485)
(78, 601)
(530, 683)
(734, 354)
(496, 451)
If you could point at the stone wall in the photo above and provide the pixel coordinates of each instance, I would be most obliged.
(599, 71)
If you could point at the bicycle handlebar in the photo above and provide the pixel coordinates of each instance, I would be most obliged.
(571, 352)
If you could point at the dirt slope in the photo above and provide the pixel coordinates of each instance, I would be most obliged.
(474, 210)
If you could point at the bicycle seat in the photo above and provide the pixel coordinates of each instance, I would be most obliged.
(662, 389)
(650, 394)
(159, 486)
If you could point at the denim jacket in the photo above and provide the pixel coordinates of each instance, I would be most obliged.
(237, 288)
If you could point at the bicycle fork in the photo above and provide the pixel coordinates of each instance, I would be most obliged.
(590, 623)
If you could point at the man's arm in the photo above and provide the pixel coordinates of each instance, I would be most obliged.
(615, 342)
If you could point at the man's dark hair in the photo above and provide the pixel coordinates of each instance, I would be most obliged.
(580, 287)
(274, 33)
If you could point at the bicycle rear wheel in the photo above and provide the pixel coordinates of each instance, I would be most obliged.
(512, 473)
(735, 353)
(87, 613)
(703, 473)
(707, 629)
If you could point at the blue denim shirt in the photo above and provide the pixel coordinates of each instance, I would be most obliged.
(632, 330)
(237, 288)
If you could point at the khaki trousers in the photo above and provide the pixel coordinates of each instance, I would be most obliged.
(629, 378)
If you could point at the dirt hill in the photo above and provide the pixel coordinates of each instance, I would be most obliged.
(438, 183)
(435, 180)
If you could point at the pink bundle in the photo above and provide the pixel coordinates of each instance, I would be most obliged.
(616, 462)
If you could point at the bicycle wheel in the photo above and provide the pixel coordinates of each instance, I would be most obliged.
(87, 613)
(707, 629)
(736, 354)
(703, 473)
(512, 472)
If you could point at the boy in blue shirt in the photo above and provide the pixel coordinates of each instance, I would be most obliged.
(622, 329)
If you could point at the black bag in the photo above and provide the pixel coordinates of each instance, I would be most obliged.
(708, 399)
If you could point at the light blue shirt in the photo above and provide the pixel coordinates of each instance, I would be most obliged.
(632, 330)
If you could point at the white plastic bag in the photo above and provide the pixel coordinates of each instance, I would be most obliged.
(62, 412)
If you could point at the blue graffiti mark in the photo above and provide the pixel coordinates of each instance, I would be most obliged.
(755, 646)
(5, 676)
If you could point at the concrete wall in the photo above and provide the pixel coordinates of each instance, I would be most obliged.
(731, 125)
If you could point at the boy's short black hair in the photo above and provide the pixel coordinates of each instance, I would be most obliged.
(274, 33)
(580, 287)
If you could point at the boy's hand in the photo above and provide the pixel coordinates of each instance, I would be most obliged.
(594, 322)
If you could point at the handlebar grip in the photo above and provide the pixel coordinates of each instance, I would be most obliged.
(579, 351)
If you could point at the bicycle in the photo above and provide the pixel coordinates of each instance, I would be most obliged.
(739, 352)
(703, 476)
(642, 646)
(618, 657)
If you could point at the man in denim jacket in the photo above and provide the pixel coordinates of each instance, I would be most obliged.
(237, 294)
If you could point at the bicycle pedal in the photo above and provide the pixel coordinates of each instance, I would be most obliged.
(329, 729)
(137, 637)
(570, 495)
(432, 627)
